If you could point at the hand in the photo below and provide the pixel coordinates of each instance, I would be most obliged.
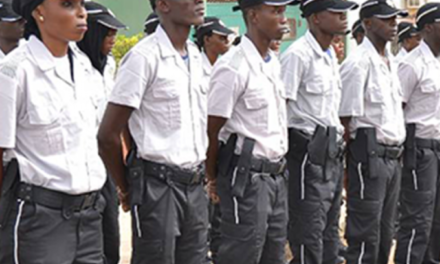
(123, 199)
(211, 188)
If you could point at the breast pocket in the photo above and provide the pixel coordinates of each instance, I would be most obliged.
(431, 91)
(257, 105)
(166, 108)
(317, 92)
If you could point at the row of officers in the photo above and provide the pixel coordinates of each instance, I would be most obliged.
(265, 140)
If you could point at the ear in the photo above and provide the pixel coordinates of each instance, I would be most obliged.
(315, 18)
(38, 13)
(253, 16)
(206, 39)
(163, 6)
(429, 28)
(367, 23)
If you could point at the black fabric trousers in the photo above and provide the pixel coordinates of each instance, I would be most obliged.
(170, 226)
(110, 223)
(253, 227)
(214, 230)
(314, 209)
(372, 210)
(418, 239)
(35, 234)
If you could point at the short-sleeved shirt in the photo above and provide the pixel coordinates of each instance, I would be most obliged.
(47, 119)
(169, 121)
(207, 68)
(401, 55)
(419, 76)
(313, 85)
(249, 93)
(371, 94)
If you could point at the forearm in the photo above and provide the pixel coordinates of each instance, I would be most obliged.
(346, 123)
(1, 170)
(110, 150)
(211, 160)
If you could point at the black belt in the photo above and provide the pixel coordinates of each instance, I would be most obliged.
(55, 199)
(391, 152)
(428, 143)
(265, 166)
(175, 174)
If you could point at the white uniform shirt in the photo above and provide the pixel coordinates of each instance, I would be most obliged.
(313, 85)
(419, 75)
(401, 55)
(207, 68)
(169, 123)
(47, 121)
(371, 94)
(2, 55)
(249, 92)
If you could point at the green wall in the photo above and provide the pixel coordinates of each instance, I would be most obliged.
(130, 12)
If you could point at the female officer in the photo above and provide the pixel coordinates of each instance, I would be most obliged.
(48, 124)
(97, 45)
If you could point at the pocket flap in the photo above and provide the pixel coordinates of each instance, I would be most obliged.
(255, 103)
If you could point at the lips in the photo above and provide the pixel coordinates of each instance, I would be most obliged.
(82, 27)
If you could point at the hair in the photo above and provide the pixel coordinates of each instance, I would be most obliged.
(91, 45)
(200, 39)
(31, 28)
(153, 4)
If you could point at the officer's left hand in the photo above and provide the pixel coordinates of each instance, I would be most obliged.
(211, 188)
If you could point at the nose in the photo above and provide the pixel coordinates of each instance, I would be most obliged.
(283, 19)
(82, 12)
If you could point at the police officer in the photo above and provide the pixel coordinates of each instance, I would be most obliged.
(11, 28)
(373, 118)
(418, 239)
(160, 93)
(358, 32)
(48, 125)
(151, 24)
(310, 72)
(247, 116)
(97, 45)
(409, 39)
(213, 40)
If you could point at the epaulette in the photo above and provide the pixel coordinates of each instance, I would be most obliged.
(236, 61)
(10, 65)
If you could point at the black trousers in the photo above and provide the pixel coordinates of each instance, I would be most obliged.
(314, 209)
(35, 234)
(214, 230)
(170, 227)
(254, 226)
(419, 234)
(371, 213)
(110, 223)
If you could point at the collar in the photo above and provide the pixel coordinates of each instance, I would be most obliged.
(314, 44)
(402, 52)
(253, 56)
(375, 56)
(207, 67)
(41, 54)
(2, 55)
(166, 47)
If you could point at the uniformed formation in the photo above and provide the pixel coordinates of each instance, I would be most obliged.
(221, 155)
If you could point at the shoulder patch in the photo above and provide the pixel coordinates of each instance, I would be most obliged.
(236, 61)
(10, 65)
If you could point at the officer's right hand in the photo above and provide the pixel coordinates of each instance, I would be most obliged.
(211, 188)
(123, 199)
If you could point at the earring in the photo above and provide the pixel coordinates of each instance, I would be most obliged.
(41, 18)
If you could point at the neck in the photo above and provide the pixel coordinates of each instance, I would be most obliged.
(57, 47)
(177, 34)
(8, 45)
(379, 44)
(212, 56)
(324, 40)
(433, 45)
(261, 43)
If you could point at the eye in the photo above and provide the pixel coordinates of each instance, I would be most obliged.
(66, 3)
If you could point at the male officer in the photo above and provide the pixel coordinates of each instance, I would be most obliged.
(160, 93)
(409, 39)
(418, 239)
(310, 72)
(247, 110)
(11, 28)
(373, 118)
(358, 32)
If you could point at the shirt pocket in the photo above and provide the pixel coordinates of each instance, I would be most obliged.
(317, 92)
(430, 90)
(257, 106)
(166, 108)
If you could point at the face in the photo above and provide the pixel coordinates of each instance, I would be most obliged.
(64, 20)
(360, 37)
(412, 42)
(109, 42)
(384, 29)
(12, 31)
(218, 44)
(182, 12)
(270, 21)
(331, 23)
